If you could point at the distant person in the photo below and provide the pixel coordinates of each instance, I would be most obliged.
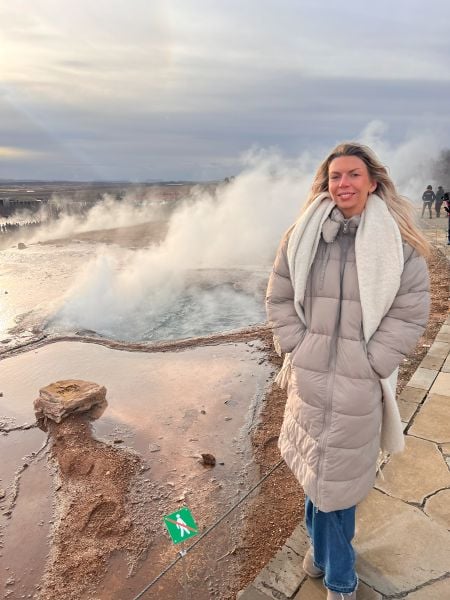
(347, 300)
(447, 210)
(439, 200)
(428, 198)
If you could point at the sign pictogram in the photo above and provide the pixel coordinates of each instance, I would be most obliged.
(181, 525)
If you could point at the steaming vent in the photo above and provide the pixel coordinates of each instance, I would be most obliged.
(205, 302)
(137, 269)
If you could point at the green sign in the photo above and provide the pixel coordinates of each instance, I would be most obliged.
(181, 525)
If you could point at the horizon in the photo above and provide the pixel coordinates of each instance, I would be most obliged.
(115, 181)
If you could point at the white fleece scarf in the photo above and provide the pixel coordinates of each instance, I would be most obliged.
(379, 263)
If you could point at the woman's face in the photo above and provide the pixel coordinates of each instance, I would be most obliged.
(349, 184)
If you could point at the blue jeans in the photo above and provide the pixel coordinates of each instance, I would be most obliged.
(331, 535)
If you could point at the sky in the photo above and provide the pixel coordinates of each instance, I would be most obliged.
(186, 89)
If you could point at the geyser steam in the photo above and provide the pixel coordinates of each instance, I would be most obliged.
(139, 295)
(233, 228)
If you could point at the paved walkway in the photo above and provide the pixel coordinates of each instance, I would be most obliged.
(403, 526)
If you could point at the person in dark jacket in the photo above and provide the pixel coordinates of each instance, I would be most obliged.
(439, 200)
(345, 312)
(446, 199)
(428, 197)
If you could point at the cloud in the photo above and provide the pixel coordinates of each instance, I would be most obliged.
(409, 163)
(177, 90)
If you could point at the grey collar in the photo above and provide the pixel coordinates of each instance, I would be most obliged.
(337, 222)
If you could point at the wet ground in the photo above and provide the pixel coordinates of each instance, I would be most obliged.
(81, 505)
(164, 410)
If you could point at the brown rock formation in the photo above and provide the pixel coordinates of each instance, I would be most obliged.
(62, 398)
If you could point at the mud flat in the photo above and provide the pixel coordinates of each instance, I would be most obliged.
(81, 515)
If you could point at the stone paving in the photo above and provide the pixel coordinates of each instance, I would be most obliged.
(403, 527)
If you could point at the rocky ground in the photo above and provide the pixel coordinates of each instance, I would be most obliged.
(98, 511)
(135, 236)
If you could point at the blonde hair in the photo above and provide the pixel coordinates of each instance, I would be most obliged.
(400, 207)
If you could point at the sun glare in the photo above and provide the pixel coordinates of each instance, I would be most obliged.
(7, 152)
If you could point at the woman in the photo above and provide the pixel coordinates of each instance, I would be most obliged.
(348, 298)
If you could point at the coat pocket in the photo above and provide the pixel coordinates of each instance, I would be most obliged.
(298, 345)
(369, 366)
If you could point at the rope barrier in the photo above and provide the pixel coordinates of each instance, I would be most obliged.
(183, 553)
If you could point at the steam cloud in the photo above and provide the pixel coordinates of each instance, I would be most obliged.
(234, 228)
(238, 227)
(108, 214)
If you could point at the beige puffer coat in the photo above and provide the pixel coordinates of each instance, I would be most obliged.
(331, 430)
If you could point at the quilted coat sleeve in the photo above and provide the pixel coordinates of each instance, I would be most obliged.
(288, 330)
(405, 321)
